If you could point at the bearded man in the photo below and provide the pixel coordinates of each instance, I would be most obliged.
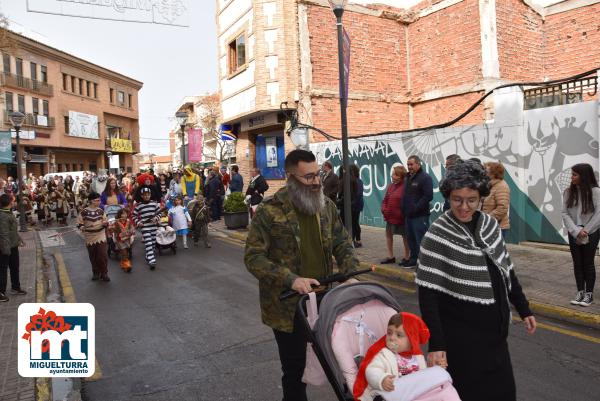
(290, 245)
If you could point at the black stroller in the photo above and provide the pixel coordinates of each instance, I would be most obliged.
(334, 303)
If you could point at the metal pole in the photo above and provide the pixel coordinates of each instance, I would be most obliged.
(22, 217)
(182, 150)
(343, 101)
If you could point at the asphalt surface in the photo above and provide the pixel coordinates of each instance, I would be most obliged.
(191, 330)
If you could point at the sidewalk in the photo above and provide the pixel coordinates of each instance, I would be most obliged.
(12, 386)
(545, 274)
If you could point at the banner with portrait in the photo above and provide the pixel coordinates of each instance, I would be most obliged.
(83, 125)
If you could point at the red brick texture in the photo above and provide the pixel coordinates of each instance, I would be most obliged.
(520, 41)
(571, 42)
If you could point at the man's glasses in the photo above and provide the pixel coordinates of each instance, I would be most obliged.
(311, 177)
(471, 203)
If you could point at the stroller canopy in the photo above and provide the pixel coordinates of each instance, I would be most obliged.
(338, 301)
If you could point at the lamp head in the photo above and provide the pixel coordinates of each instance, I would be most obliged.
(181, 117)
(108, 154)
(17, 118)
(338, 4)
(299, 137)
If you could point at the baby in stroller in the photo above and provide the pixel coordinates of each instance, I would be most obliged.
(397, 355)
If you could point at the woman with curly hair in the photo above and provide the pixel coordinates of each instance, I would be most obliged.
(581, 217)
(466, 284)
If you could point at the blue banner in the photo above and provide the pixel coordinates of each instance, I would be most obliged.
(5, 147)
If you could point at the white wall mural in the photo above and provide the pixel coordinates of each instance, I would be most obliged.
(537, 148)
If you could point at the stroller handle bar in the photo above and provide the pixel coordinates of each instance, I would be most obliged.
(334, 278)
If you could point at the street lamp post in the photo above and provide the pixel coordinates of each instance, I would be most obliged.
(16, 119)
(338, 9)
(182, 117)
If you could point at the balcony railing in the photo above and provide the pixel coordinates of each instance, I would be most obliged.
(33, 120)
(19, 81)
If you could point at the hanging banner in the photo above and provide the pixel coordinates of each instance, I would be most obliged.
(195, 145)
(121, 145)
(83, 125)
(22, 134)
(5, 147)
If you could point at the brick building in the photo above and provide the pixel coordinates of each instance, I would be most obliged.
(77, 113)
(410, 68)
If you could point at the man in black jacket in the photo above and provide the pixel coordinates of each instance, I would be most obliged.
(256, 189)
(418, 192)
(330, 181)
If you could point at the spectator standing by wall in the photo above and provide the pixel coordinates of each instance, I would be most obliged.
(497, 203)
(237, 181)
(331, 182)
(214, 194)
(391, 209)
(225, 177)
(256, 190)
(10, 241)
(581, 217)
(450, 161)
(358, 204)
(415, 206)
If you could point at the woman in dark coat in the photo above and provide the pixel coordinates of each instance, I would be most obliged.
(466, 281)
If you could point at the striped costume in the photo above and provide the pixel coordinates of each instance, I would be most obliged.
(145, 215)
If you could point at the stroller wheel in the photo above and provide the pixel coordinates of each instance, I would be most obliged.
(159, 251)
(130, 253)
(173, 249)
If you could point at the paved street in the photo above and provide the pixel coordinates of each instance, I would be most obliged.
(191, 331)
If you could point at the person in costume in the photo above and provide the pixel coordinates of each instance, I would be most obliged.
(146, 180)
(92, 221)
(191, 184)
(59, 198)
(40, 197)
(200, 219)
(145, 217)
(397, 355)
(124, 231)
(466, 283)
(180, 220)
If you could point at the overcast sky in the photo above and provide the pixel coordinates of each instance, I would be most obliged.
(172, 62)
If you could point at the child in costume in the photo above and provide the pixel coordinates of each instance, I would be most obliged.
(394, 366)
(145, 217)
(92, 221)
(71, 200)
(180, 220)
(40, 196)
(200, 219)
(124, 231)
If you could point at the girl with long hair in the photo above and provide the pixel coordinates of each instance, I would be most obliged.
(581, 217)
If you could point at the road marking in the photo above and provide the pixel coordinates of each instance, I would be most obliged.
(408, 290)
(51, 238)
(69, 296)
(566, 332)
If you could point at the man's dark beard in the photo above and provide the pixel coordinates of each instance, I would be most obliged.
(304, 198)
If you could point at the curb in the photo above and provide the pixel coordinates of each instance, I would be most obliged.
(556, 312)
(42, 384)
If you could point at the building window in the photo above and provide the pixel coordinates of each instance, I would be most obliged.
(66, 119)
(20, 67)
(73, 84)
(112, 95)
(8, 98)
(6, 62)
(35, 103)
(130, 101)
(65, 81)
(44, 74)
(120, 97)
(95, 91)
(80, 86)
(45, 108)
(81, 167)
(59, 168)
(33, 70)
(21, 103)
(237, 54)
(88, 88)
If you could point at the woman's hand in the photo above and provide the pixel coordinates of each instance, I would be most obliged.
(388, 383)
(582, 234)
(437, 358)
(530, 324)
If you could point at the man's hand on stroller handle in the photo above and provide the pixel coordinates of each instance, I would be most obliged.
(437, 358)
(303, 285)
